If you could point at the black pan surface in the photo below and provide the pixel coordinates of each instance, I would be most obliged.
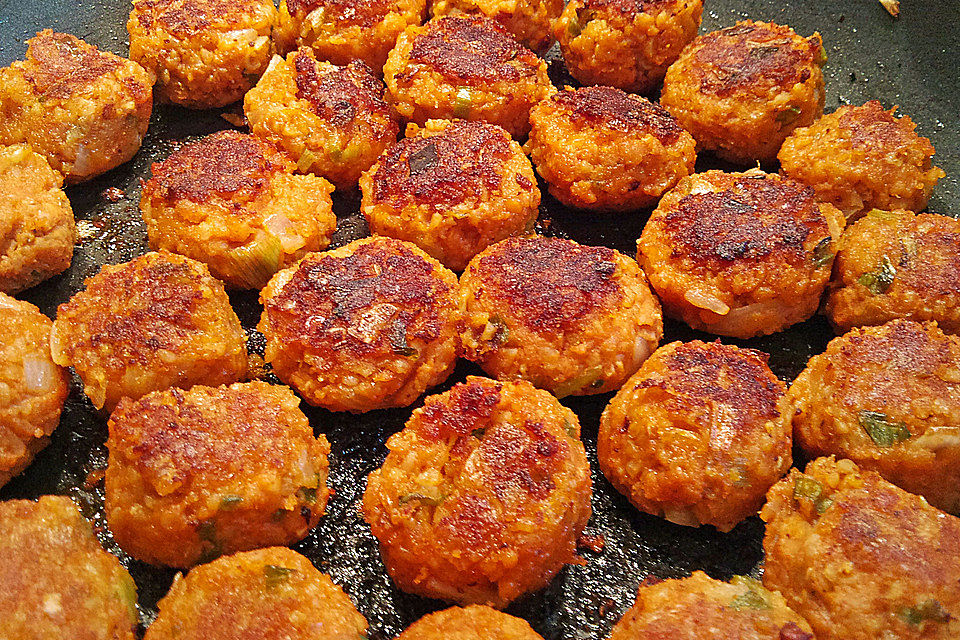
(911, 61)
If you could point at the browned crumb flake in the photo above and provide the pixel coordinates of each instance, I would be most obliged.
(345, 13)
(62, 64)
(620, 111)
(338, 95)
(892, 7)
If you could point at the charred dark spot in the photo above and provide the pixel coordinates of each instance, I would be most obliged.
(341, 95)
(345, 13)
(620, 111)
(465, 409)
(63, 64)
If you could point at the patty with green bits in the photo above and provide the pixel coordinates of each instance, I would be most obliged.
(859, 558)
(476, 622)
(55, 579)
(195, 474)
(268, 593)
(888, 398)
(897, 264)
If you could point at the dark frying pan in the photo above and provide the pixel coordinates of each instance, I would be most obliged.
(911, 61)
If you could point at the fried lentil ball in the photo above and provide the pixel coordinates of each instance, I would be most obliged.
(571, 319)
(32, 387)
(862, 158)
(742, 90)
(626, 44)
(55, 579)
(344, 30)
(268, 593)
(740, 254)
(466, 67)
(529, 21)
(701, 608)
(204, 53)
(483, 494)
(476, 622)
(695, 436)
(155, 322)
(368, 326)
(37, 229)
(210, 471)
(231, 200)
(897, 265)
(602, 149)
(332, 120)
(888, 398)
(83, 109)
(859, 558)
(453, 189)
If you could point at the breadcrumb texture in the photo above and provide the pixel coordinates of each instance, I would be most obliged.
(740, 254)
(37, 229)
(476, 622)
(158, 321)
(268, 593)
(862, 158)
(55, 580)
(529, 21)
(85, 110)
(859, 558)
(626, 44)
(742, 90)
(204, 53)
(696, 436)
(483, 494)
(897, 265)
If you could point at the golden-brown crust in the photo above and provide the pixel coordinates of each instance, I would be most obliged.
(362, 13)
(529, 21)
(64, 64)
(342, 94)
(619, 111)
(475, 622)
(185, 18)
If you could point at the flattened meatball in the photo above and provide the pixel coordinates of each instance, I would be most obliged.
(465, 67)
(742, 90)
(332, 120)
(571, 319)
(897, 264)
(626, 44)
(528, 20)
(476, 622)
(367, 326)
(701, 608)
(483, 494)
(861, 559)
(268, 593)
(740, 254)
(602, 149)
(230, 200)
(204, 53)
(155, 322)
(85, 110)
(862, 158)
(55, 579)
(695, 436)
(453, 189)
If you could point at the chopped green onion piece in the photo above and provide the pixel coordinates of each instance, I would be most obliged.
(229, 502)
(127, 591)
(823, 504)
(461, 108)
(928, 610)
(419, 497)
(479, 433)
(500, 333)
(879, 281)
(755, 597)
(880, 214)
(807, 487)
(570, 428)
(307, 158)
(276, 575)
(821, 56)
(882, 430)
(585, 379)
(821, 253)
(307, 494)
(253, 265)
(788, 115)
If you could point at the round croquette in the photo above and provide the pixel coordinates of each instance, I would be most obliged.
(476, 622)
(155, 322)
(701, 608)
(861, 559)
(55, 579)
(888, 398)
(740, 254)
(269, 593)
(331, 120)
(742, 90)
(230, 200)
(466, 67)
(32, 387)
(204, 53)
(602, 149)
(571, 319)
(85, 110)
(483, 494)
(695, 436)
(530, 21)
(37, 230)
(897, 264)
(626, 44)
(862, 158)
(368, 326)
(340, 31)
(210, 471)
(453, 189)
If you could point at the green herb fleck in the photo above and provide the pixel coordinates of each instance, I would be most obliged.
(127, 591)
(821, 253)
(461, 108)
(276, 575)
(254, 264)
(500, 331)
(307, 494)
(570, 428)
(755, 597)
(229, 502)
(479, 433)
(927, 611)
(788, 115)
(880, 214)
(879, 281)
(808, 488)
(882, 430)
(583, 380)
(821, 58)
(823, 504)
(422, 499)
(398, 339)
